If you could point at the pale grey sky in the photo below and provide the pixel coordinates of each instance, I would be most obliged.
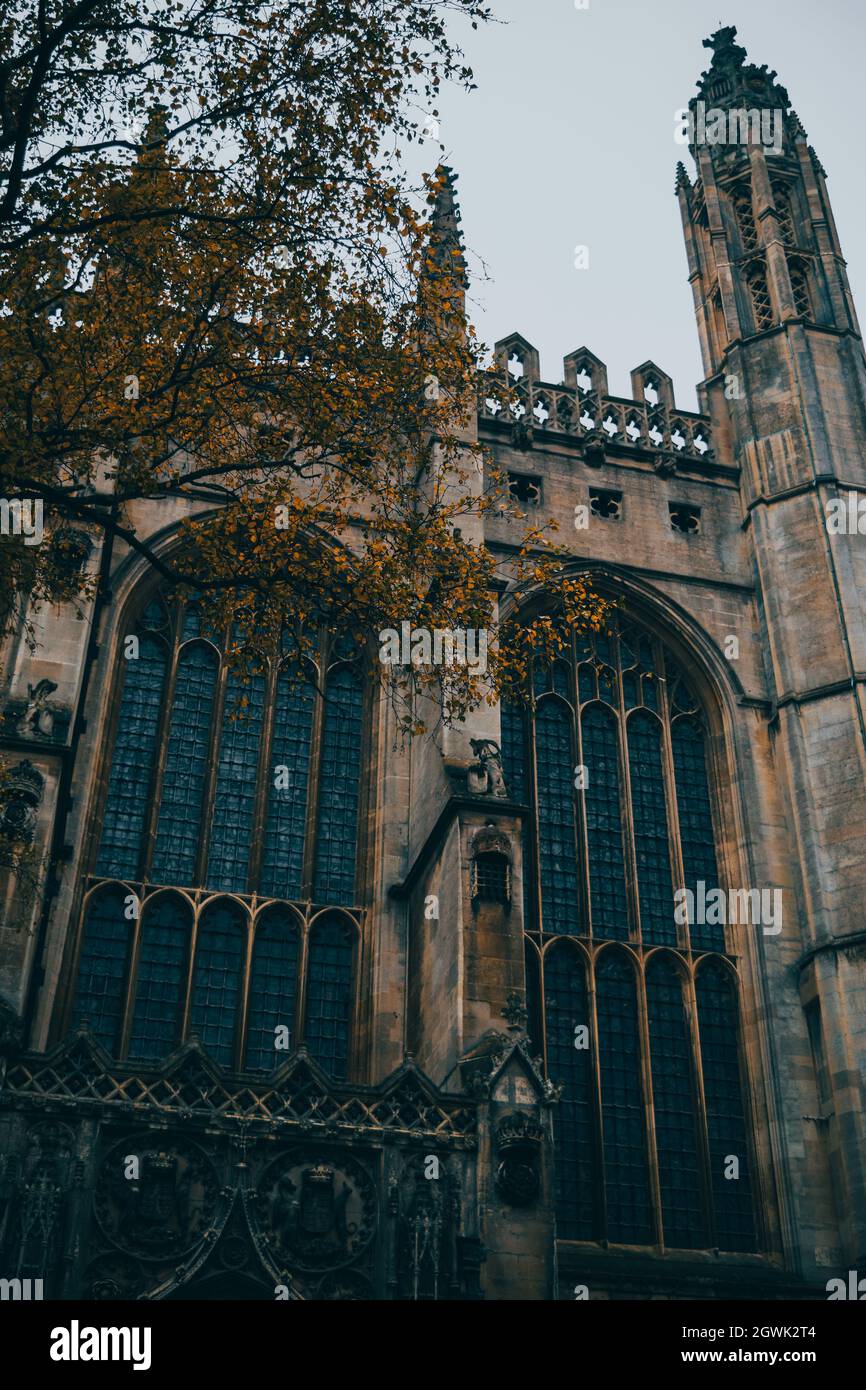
(569, 140)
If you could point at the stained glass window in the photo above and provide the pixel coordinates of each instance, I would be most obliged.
(337, 830)
(674, 1107)
(161, 977)
(288, 775)
(652, 854)
(236, 782)
(130, 779)
(557, 845)
(226, 804)
(102, 969)
(329, 994)
(273, 987)
(622, 1105)
(729, 1164)
(604, 823)
(179, 827)
(216, 980)
(632, 1132)
(569, 1060)
(696, 825)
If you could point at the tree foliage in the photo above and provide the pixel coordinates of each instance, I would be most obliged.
(220, 292)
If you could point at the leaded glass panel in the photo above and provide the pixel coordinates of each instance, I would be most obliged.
(186, 765)
(131, 774)
(216, 979)
(160, 978)
(557, 845)
(273, 987)
(649, 815)
(622, 1107)
(696, 824)
(285, 828)
(569, 1060)
(604, 823)
(102, 967)
(236, 781)
(719, 1031)
(674, 1107)
(329, 994)
(337, 826)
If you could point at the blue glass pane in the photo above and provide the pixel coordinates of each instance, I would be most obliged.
(102, 970)
(186, 764)
(216, 979)
(273, 988)
(696, 825)
(514, 751)
(161, 978)
(339, 782)
(237, 775)
(651, 831)
(283, 858)
(571, 1067)
(625, 1165)
(718, 1025)
(674, 1107)
(129, 781)
(604, 824)
(329, 995)
(557, 846)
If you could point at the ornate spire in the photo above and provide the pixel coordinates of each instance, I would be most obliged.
(445, 255)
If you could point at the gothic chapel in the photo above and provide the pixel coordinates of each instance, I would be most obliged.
(547, 1085)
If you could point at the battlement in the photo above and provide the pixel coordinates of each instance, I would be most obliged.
(581, 408)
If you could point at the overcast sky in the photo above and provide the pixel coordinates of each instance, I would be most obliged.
(569, 140)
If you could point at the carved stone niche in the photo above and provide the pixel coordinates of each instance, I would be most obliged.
(491, 867)
(519, 1136)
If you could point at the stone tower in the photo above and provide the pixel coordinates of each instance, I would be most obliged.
(785, 389)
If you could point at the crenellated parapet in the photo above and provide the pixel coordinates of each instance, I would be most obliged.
(580, 408)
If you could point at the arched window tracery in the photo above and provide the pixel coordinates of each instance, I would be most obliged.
(224, 782)
(636, 1016)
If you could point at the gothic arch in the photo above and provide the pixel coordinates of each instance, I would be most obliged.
(658, 746)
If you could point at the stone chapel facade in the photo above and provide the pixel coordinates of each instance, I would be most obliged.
(511, 1071)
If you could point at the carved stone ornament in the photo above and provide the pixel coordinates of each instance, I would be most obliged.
(519, 1137)
(317, 1211)
(594, 448)
(665, 464)
(166, 1204)
(37, 719)
(485, 778)
(22, 795)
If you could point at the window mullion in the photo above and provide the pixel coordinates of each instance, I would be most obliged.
(674, 839)
(649, 1107)
(210, 781)
(129, 992)
(190, 968)
(626, 816)
(598, 1117)
(701, 1111)
(317, 724)
(264, 775)
(152, 818)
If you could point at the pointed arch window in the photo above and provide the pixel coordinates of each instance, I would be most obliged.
(800, 289)
(759, 290)
(223, 782)
(635, 1015)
